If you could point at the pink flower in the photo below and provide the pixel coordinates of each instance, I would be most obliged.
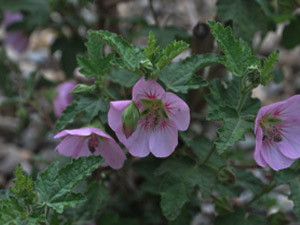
(87, 141)
(277, 129)
(15, 38)
(63, 98)
(162, 114)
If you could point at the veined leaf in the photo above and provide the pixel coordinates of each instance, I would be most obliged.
(90, 105)
(179, 77)
(246, 17)
(130, 57)
(238, 55)
(268, 67)
(170, 52)
(96, 64)
(55, 186)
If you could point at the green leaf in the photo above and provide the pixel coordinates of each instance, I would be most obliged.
(11, 213)
(238, 55)
(90, 105)
(123, 77)
(201, 146)
(170, 52)
(291, 177)
(268, 67)
(165, 35)
(97, 198)
(69, 48)
(130, 57)
(295, 195)
(221, 97)
(55, 186)
(246, 17)
(248, 181)
(239, 217)
(96, 64)
(152, 52)
(232, 130)
(290, 39)
(24, 188)
(185, 170)
(173, 199)
(180, 76)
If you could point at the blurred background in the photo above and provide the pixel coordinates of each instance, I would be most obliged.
(40, 39)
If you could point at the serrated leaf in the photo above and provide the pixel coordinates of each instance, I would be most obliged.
(238, 55)
(170, 52)
(55, 187)
(184, 169)
(220, 97)
(179, 77)
(246, 17)
(90, 105)
(152, 52)
(173, 199)
(96, 64)
(232, 130)
(123, 77)
(130, 57)
(268, 67)
(11, 213)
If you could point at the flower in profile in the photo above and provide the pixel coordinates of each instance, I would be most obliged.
(63, 98)
(277, 129)
(89, 140)
(161, 115)
(15, 38)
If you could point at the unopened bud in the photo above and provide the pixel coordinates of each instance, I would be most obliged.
(226, 175)
(222, 205)
(130, 119)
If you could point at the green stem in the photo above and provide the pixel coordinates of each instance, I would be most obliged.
(265, 190)
(211, 151)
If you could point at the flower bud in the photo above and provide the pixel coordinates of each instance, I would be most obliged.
(222, 205)
(130, 119)
(226, 175)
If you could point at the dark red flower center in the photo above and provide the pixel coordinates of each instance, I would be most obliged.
(93, 143)
(152, 113)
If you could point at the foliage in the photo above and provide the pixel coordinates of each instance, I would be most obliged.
(209, 165)
(28, 199)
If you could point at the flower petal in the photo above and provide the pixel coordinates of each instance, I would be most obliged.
(85, 131)
(164, 140)
(149, 89)
(111, 151)
(138, 143)
(257, 154)
(115, 114)
(273, 157)
(63, 98)
(178, 111)
(71, 146)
